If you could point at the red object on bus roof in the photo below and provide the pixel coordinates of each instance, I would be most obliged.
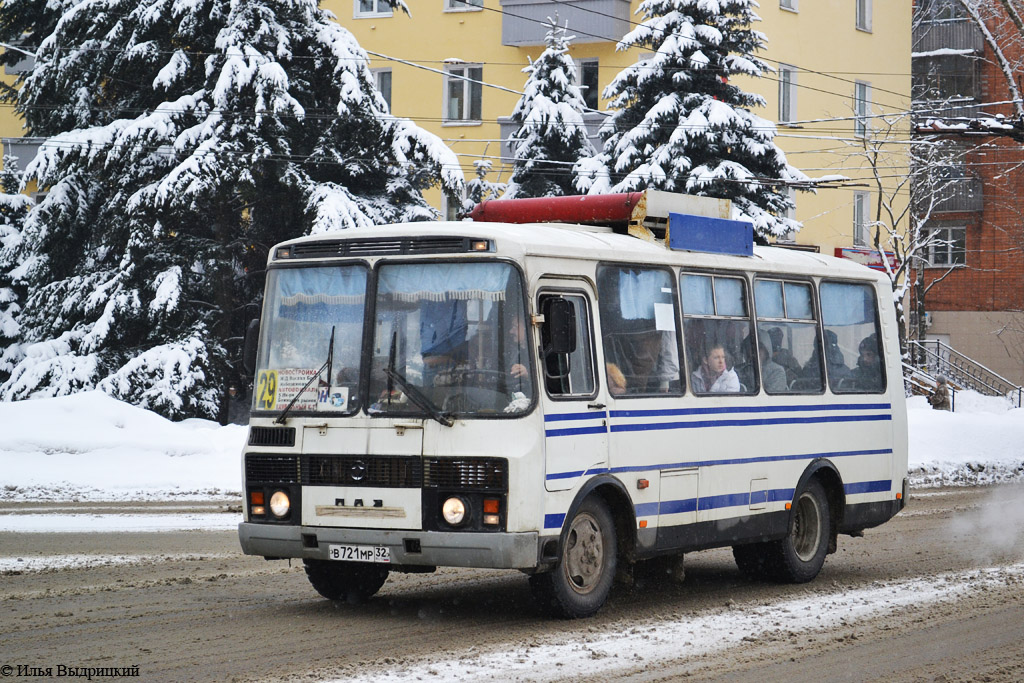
(587, 209)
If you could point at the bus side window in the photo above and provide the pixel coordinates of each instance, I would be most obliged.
(788, 330)
(569, 370)
(719, 335)
(639, 332)
(849, 315)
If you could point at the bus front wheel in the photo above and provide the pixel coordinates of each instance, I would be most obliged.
(580, 582)
(799, 556)
(347, 581)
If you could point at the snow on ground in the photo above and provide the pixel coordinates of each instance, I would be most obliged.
(602, 652)
(126, 523)
(90, 447)
(49, 563)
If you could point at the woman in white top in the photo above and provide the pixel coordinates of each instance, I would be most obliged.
(713, 376)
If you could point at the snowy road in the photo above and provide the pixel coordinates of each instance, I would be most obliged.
(940, 590)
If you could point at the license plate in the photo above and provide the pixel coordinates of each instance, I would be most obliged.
(359, 553)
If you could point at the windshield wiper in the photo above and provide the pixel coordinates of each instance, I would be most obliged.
(326, 366)
(415, 395)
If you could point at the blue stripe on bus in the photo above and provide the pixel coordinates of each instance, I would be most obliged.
(750, 409)
(670, 507)
(655, 426)
(591, 415)
(646, 509)
(565, 475)
(868, 487)
(554, 521)
(708, 463)
(576, 431)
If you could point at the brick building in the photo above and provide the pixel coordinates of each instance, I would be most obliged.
(974, 277)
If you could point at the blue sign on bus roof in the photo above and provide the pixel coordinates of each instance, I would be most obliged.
(716, 235)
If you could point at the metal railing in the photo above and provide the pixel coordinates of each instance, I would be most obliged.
(935, 358)
(960, 34)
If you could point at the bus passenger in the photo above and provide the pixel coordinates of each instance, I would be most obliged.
(867, 376)
(616, 380)
(774, 374)
(713, 376)
(666, 370)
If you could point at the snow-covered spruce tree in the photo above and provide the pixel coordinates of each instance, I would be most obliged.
(14, 207)
(480, 189)
(185, 138)
(551, 136)
(679, 124)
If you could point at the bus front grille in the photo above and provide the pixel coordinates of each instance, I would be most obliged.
(396, 246)
(387, 471)
(278, 437)
(485, 474)
(271, 469)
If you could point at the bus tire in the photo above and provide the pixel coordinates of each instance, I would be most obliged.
(580, 582)
(346, 581)
(799, 556)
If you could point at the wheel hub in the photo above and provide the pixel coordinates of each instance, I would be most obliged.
(584, 554)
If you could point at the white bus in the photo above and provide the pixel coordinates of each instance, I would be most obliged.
(565, 400)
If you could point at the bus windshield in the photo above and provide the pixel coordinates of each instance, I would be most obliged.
(306, 309)
(456, 334)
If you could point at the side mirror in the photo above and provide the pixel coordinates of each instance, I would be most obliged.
(560, 324)
(252, 337)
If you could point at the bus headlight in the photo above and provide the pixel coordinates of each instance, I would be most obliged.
(453, 511)
(279, 504)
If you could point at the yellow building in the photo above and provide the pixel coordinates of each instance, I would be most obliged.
(831, 55)
(836, 58)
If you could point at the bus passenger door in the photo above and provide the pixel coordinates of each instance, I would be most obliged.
(575, 416)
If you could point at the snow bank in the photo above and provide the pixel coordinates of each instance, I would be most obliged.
(90, 446)
(981, 443)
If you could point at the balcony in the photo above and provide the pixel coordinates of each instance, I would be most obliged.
(956, 34)
(958, 196)
(953, 108)
(525, 22)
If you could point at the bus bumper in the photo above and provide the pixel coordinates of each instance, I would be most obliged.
(423, 548)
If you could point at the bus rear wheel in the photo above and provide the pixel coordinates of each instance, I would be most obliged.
(580, 582)
(347, 581)
(799, 556)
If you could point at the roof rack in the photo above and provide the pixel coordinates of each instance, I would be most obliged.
(680, 221)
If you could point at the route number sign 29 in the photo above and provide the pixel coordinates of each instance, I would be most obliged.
(266, 390)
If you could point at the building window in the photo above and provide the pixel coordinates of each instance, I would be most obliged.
(861, 108)
(382, 79)
(463, 5)
(463, 93)
(940, 10)
(864, 15)
(789, 4)
(947, 246)
(452, 207)
(371, 8)
(787, 93)
(861, 213)
(586, 71)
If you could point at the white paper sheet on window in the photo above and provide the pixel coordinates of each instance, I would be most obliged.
(664, 318)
